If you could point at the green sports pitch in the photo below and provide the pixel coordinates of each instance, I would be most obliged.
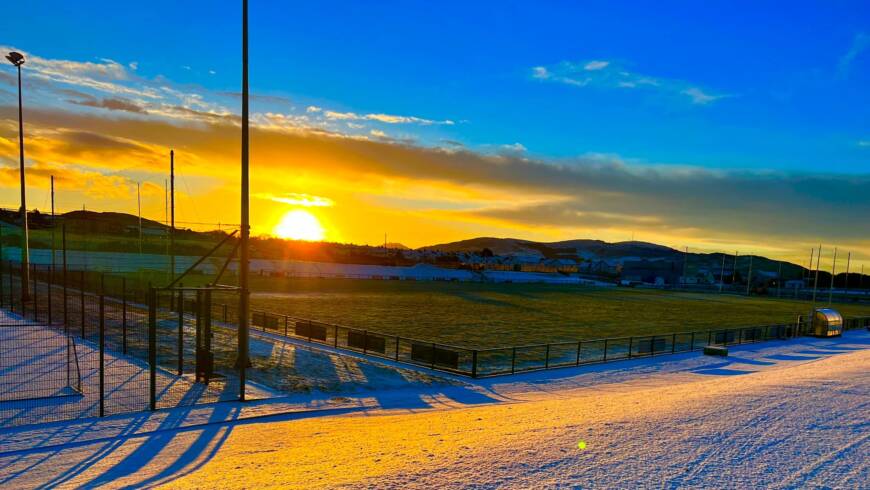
(484, 315)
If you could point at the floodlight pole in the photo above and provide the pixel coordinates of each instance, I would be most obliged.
(171, 215)
(779, 281)
(734, 272)
(17, 59)
(749, 277)
(816, 279)
(245, 218)
(722, 274)
(52, 224)
(848, 263)
(833, 273)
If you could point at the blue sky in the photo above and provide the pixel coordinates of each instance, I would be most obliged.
(718, 125)
(794, 98)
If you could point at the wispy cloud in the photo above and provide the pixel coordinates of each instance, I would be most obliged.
(608, 75)
(860, 43)
(299, 199)
(108, 85)
(864, 143)
(384, 118)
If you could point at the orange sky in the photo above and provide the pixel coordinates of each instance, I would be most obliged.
(361, 186)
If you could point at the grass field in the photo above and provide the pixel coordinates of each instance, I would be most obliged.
(495, 315)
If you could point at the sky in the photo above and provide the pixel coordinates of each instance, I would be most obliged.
(715, 125)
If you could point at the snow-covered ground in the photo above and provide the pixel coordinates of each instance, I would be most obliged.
(792, 414)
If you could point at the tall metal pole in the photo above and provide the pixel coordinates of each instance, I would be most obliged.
(734, 272)
(749, 277)
(685, 263)
(171, 215)
(245, 218)
(816, 279)
(779, 281)
(52, 224)
(810, 267)
(25, 233)
(848, 263)
(139, 211)
(722, 274)
(166, 216)
(833, 273)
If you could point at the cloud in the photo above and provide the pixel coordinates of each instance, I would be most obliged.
(699, 97)
(384, 118)
(860, 43)
(864, 143)
(596, 65)
(112, 104)
(299, 199)
(575, 196)
(607, 75)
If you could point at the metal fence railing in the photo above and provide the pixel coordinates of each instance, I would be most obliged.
(514, 359)
(81, 344)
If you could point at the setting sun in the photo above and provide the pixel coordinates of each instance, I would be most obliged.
(299, 225)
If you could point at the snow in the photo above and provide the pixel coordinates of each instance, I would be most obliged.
(790, 414)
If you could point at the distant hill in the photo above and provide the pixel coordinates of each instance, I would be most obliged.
(575, 248)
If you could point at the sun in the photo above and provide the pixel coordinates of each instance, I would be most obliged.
(299, 225)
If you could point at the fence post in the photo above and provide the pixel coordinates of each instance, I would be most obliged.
(152, 348)
(2, 298)
(124, 315)
(65, 310)
(432, 362)
(692, 345)
(82, 297)
(11, 287)
(50, 280)
(398, 341)
(605, 350)
(102, 349)
(474, 363)
(513, 360)
(34, 294)
(225, 313)
(336, 336)
(181, 330)
(579, 345)
(285, 325)
(365, 340)
(547, 358)
(630, 345)
(674, 344)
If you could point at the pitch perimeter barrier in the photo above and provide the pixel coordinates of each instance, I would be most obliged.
(510, 360)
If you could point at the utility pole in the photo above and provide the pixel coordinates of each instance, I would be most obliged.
(833, 273)
(848, 263)
(172, 215)
(722, 274)
(734, 272)
(139, 211)
(17, 59)
(245, 218)
(685, 264)
(749, 277)
(166, 216)
(810, 267)
(779, 281)
(816, 280)
(52, 224)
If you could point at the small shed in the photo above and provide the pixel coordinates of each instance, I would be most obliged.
(827, 322)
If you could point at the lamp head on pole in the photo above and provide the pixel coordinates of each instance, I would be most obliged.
(15, 58)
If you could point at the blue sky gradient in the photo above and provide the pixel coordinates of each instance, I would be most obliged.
(711, 124)
(796, 99)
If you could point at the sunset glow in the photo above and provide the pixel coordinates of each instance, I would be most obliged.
(300, 225)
